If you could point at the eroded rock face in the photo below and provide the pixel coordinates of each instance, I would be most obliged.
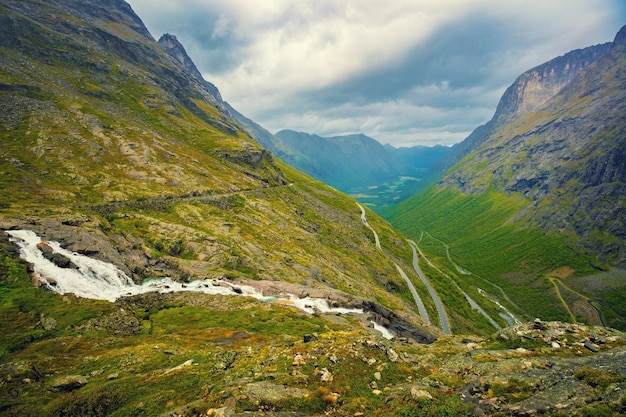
(58, 259)
(399, 326)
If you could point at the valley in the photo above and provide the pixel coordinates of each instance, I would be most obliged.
(163, 255)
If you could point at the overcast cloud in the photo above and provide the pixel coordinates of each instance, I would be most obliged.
(404, 72)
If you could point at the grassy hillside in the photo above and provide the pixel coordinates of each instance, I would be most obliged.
(485, 241)
(111, 147)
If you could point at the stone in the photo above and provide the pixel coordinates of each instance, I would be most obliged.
(56, 258)
(267, 392)
(311, 337)
(298, 360)
(119, 323)
(70, 383)
(392, 355)
(556, 345)
(48, 323)
(226, 361)
(325, 375)
(179, 367)
(591, 346)
(222, 412)
(471, 346)
(420, 394)
(230, 402)
(377, 376)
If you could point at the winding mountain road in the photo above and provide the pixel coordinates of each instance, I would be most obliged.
(466, 272)
(443, 317)
(364, 220)
(473, 304)
(421, 308)
(418, 301)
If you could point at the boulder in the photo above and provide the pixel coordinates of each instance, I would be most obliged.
(326, 376)
(417, 393)
(310, 337)
(267, 392)
(69, 383)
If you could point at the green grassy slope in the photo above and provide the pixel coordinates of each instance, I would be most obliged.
(104, 136)
(484, 239)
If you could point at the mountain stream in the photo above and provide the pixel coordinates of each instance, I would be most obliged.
(100, 280)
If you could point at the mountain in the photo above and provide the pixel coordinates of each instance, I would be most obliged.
(420, 158)
(529, 91)
(358, 165)
(155, 260)
(535, 201)
(113, 148)
(171, 44)
(342, 161)
(354, 164)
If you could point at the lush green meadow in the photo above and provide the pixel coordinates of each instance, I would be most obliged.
(481, 238)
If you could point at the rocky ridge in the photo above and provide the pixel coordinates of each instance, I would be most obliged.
(564, 154)
(527, 93)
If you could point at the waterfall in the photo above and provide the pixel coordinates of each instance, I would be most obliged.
(100, 280)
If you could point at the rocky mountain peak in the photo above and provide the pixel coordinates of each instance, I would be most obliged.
(176, 49)
(537, 85)
(528, 92)
(620, 38)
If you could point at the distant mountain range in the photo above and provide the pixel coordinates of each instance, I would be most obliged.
(356, 164)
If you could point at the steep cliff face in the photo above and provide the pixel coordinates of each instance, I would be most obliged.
(538, 85)
(171, 44)
(564, 154)
(529, 91)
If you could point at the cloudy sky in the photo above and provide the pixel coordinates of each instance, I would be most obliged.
(404, 72)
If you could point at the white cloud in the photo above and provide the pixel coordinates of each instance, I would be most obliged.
(399, 69)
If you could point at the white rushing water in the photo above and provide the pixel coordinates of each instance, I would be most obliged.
(100, 280)
(382, 329)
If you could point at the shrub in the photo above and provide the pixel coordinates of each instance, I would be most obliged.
(87, 404)
(597, 378)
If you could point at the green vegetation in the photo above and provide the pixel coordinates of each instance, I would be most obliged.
(114, 151)
(446, 406)
(483, 238)
(228, 339)
(598, 378)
